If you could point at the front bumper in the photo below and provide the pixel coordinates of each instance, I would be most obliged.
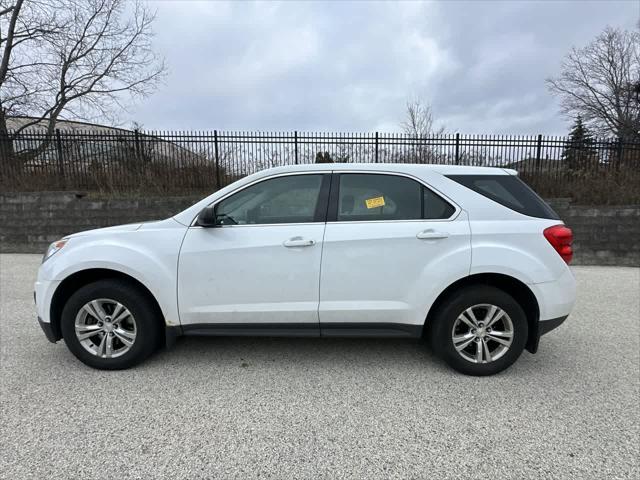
(48, 331)
(44, 290)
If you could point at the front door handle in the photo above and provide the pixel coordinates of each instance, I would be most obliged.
(298, 242)
(431, 234)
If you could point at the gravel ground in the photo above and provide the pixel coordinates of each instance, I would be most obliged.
(325, 408)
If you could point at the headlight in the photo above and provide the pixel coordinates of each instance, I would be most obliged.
(53, 248)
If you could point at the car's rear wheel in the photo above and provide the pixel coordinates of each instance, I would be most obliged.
(110, 324)
(480, 331)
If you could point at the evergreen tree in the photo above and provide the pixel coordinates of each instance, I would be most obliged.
(579, 151)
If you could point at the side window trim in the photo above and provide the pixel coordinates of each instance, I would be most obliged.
(332, 214)
(323, 197)
(332, 208)
(320, 215)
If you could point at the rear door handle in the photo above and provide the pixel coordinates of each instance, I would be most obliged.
(298, 242)
(431, 234)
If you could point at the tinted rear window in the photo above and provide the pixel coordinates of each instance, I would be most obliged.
(508, 190)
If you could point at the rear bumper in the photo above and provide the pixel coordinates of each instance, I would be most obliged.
(542, 327)
(555, 298)
(545, 326)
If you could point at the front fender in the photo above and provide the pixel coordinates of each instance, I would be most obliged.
(149, 258)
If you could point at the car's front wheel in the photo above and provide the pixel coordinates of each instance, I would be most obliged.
(110, 324)
(480, 331)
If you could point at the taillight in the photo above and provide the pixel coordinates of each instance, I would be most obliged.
(560, 238)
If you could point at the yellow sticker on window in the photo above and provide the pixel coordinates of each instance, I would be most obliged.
(375, 202)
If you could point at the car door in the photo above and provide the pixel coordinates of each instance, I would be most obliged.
(258, 270)
(391, 245)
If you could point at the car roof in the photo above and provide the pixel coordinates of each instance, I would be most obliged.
(411, 168)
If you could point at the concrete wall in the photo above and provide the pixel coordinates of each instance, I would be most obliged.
(603, 235)
(29, 222)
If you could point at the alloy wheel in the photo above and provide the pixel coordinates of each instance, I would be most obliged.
(105, 328)
(482, 333)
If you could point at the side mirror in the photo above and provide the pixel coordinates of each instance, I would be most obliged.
(207, 217)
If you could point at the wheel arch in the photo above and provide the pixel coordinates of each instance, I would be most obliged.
(511, 285)
(78, 279)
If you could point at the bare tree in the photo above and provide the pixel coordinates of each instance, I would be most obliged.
(419, 120)
(77, 59)
(600, 83)
(419, 123)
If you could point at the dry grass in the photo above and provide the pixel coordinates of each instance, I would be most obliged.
(611, 187)
(594, 187)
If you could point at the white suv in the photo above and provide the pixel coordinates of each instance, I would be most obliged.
(468, 257)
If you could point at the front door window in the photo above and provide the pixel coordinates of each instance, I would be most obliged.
(289, 199)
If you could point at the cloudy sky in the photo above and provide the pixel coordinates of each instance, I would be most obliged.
(329, 66)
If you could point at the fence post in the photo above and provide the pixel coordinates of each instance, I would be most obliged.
(457, 148)
(376, 147)
(215, 146)
(137, 144)
(60, 158)
(538, 154)
(295, 145)
(620, 146)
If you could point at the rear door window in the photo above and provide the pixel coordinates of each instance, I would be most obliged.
(510, 191)
(376, 197)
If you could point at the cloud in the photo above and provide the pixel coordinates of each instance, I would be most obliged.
(353, 65)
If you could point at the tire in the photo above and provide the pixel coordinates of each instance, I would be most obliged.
(113, 343)
(490, 338)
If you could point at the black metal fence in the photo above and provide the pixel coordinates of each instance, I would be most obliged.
(598, 171)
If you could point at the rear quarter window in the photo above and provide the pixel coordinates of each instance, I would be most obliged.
(510, 191)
